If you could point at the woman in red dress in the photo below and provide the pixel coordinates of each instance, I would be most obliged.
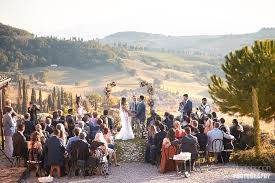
(179, 131)
(167, 152)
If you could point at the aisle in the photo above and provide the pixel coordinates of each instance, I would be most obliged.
(142, 173)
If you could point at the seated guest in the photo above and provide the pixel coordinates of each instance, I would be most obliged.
(93, 119)
(202, 138)
(78, 119)
(19, 143)
(167, 152)
(55, 119)
(44, 126)
(153, 118)
(171, 118)
(80, 149)
(62, 120)
(228, 145)
(107, 120)
(208, 125)
(185, 121)
(49, 127)
(29, 126)
(179, 131)
(150, 151)
(214, 116)
(167, 121)
(214, 134)
(159, 139)
(94, 127)
(222, 121)
(73, 139)
(194, 128)
(189, 143)
(86, 124)
(109, 138)
(236, 130)
(54, 150)
(60, 114)
(35, 150)
(110, 153)
(38, 128)
(63, 134)
(69, 116)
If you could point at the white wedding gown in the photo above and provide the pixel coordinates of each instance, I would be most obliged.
(126, 131)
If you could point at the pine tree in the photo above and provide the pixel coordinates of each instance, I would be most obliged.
(40, 100)
(25, 97)
(33, 96)
(248, 77)
(19, 100)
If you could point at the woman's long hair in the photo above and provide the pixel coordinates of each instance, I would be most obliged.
(35, 137)
(171, 135)
(123, 101)
(152, 130)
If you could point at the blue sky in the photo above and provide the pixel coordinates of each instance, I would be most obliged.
(98, 18)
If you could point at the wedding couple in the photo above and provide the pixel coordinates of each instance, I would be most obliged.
(137, 111)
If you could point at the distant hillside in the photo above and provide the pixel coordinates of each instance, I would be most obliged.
(6, 30)
(20, 49)
(218, 45)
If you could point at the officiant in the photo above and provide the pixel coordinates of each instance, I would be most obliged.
(133, 109)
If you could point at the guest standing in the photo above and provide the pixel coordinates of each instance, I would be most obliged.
(29, 126)
(19, 143)
(9, 129)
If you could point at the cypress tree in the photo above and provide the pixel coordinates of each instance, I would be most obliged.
(40, 100)
(59, 106)
(50, 105)
(62, 97)
(54, 103)
(25, 97)
(33, 96)
(19, 100)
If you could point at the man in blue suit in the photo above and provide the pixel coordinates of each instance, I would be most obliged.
(186, 106)
(140, 115)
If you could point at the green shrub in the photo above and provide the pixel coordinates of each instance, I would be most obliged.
(247, 139)
(249, 158)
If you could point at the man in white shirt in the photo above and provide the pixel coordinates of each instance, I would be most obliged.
(204, 107)
(214, 134)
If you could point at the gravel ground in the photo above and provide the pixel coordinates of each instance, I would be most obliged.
(140, 173)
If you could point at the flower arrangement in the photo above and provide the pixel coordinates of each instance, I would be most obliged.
(108, 88)
(144, 83)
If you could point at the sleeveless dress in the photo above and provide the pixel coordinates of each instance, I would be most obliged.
(126, 131)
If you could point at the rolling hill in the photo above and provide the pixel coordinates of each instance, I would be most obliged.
(217, 45)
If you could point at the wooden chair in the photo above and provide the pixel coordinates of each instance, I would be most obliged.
(55, 168)
(217, 148)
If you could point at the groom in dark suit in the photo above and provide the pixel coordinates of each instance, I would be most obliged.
(141, 110)
(186, 106)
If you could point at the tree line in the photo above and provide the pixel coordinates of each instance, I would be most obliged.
(20, 49)
(58, 98)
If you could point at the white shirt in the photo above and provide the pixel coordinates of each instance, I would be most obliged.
(217, 134)
(205, 109)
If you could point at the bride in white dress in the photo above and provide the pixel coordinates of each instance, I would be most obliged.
(126, 131)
